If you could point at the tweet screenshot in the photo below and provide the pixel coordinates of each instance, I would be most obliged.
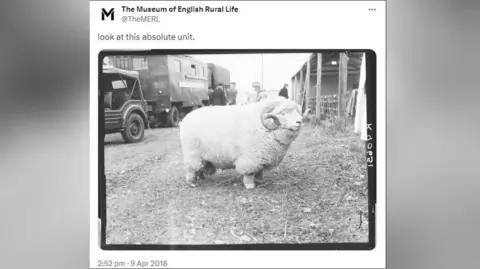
(237, 134)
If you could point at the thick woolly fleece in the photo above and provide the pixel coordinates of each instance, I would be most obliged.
(228, 137)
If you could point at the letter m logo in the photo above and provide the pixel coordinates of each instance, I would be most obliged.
(107, 14)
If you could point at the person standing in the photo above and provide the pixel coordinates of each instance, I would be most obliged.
(210, 96)
(231, 94)
(218, 97)
(284, 91)
(242, 97)
(261, 95)
(254, 95)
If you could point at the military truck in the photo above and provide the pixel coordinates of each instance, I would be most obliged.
(173, 85)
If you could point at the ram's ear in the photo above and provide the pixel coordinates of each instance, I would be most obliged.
(268, 116)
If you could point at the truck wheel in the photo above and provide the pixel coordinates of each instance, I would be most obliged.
(134, 129)
(173, 117)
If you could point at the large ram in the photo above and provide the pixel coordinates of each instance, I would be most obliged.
(249, 138)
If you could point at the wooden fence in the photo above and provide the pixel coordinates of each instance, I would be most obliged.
(328, 107)
(332, 105)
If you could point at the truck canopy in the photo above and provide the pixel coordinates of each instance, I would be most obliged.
(217, 75)
(183, 78)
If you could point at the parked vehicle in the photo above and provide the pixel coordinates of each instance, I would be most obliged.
(125, 108)
(173, 85)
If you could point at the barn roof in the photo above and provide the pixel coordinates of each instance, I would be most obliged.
(354, 63)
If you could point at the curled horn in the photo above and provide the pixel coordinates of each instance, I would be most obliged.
(269, 119)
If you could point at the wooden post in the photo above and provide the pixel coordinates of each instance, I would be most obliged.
(291, 88)
(342, 88)
(307, 85)
(294, 88)
(300, 88)
(318, 112)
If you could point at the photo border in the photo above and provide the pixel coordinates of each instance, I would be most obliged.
(370, 88)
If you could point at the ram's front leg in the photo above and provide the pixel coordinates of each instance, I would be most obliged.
(249, 181)
(194, 172)
(191, 179)
(248, 168)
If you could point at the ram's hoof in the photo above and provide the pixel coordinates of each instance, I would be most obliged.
(249, 185)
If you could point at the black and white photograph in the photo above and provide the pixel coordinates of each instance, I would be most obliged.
(227, 148)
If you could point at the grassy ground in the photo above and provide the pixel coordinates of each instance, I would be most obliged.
(317, 194)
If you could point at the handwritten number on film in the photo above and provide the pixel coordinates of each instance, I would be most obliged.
(369, 147)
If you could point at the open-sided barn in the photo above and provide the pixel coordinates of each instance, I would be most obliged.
(332, 75)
